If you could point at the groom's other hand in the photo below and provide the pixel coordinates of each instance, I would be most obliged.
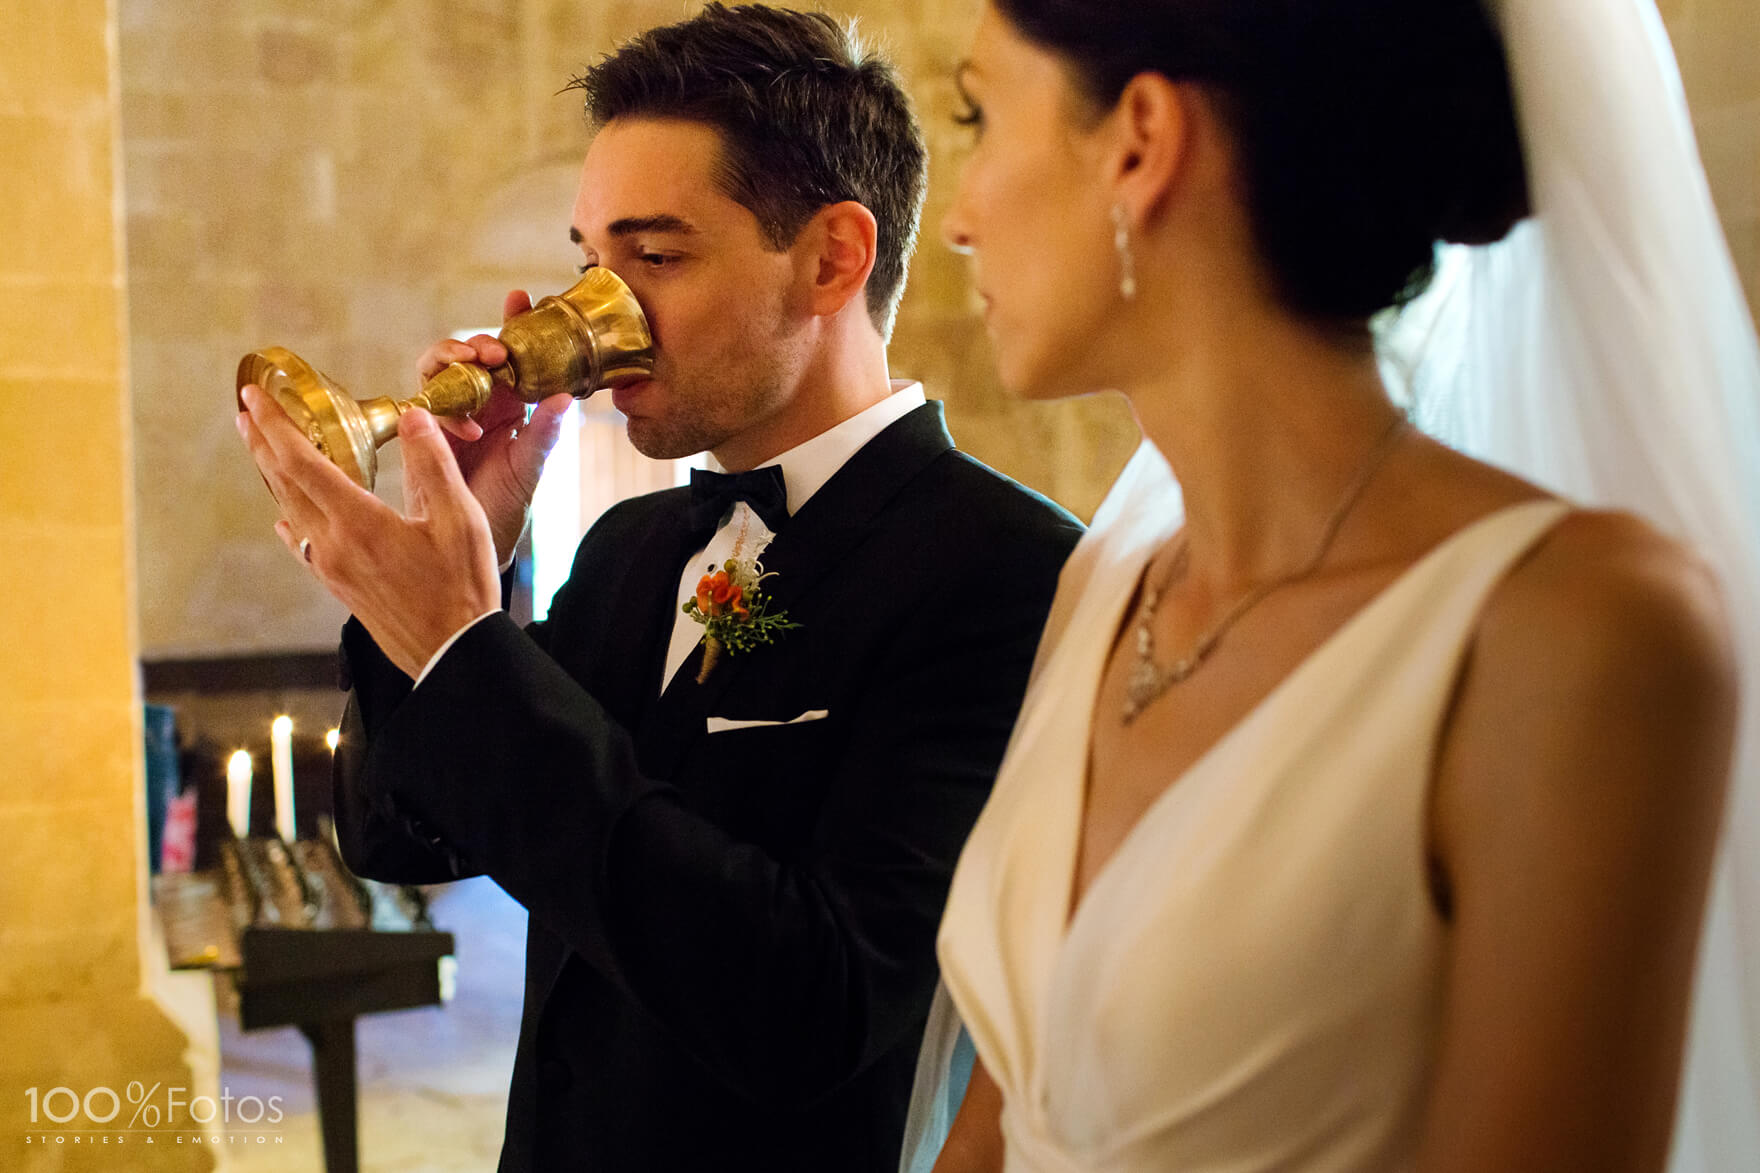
(500, 453)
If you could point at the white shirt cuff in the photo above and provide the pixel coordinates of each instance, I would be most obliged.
(445, 647)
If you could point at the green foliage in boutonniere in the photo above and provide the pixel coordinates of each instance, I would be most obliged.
(734, 611)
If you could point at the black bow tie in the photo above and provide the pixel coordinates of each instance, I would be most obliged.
(713, 494)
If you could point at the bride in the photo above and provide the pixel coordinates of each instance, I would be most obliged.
(1365, 808)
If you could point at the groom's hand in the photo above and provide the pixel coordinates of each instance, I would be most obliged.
(411, 580)
(499, 452)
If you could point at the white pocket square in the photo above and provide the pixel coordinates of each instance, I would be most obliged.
(724, 724)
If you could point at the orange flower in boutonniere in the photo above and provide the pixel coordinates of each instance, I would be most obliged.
(734, 611)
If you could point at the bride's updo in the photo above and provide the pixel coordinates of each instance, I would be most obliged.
(1366, 130)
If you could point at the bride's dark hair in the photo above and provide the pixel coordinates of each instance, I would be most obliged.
(1366, 130)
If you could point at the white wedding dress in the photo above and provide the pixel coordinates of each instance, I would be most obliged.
(1252, 981)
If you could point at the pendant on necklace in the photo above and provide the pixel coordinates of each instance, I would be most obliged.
(1145, 682)
(1140, 688)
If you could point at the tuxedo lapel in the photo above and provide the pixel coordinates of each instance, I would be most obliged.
(641, 607)
(812, 545)
(846, 507)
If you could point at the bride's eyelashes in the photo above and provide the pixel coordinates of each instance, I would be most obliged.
(970, 114)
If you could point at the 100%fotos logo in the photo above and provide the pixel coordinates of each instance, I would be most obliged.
(147, 1109)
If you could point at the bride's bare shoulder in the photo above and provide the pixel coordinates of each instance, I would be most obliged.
(1604, 587)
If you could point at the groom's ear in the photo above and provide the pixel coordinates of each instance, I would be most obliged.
(837, 251)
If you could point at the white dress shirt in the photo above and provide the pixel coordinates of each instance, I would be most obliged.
(805, 469)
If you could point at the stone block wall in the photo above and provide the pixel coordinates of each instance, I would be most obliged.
(80, 985)
(1718, 43)
(353, 178)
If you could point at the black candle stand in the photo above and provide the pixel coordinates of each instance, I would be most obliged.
(307, 944)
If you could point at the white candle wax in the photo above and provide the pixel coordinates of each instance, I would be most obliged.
(238, 793)
(281, 764)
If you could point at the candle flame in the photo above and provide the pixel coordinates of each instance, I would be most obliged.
(239, 764)
(332, 738)
(282, 726)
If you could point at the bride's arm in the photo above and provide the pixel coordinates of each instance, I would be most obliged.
(974, 1142)
(1580, 783)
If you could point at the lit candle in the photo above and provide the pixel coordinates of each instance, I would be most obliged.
(238, 793)
(281, 763)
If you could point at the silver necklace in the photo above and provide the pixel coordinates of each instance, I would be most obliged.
(1147, 681)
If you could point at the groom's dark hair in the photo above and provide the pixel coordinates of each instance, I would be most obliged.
(807, 117)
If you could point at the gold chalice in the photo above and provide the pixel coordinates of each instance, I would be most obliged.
(592, 336)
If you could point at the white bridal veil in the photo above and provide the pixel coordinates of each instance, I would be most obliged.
(1604, 350)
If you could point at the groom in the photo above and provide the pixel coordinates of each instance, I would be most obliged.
(733, 877)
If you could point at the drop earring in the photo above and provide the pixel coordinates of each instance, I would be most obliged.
(1121, 242)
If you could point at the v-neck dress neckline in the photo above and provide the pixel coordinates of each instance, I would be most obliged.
(1147, 1027)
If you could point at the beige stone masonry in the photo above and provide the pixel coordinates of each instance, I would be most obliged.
(84, 996)
(354, 179)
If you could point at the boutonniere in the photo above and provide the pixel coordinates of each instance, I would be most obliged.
(735, 612)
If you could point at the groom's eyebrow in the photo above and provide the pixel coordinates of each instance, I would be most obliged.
(632, 225)
(661, 222)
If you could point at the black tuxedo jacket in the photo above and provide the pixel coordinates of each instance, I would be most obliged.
(730, 950)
